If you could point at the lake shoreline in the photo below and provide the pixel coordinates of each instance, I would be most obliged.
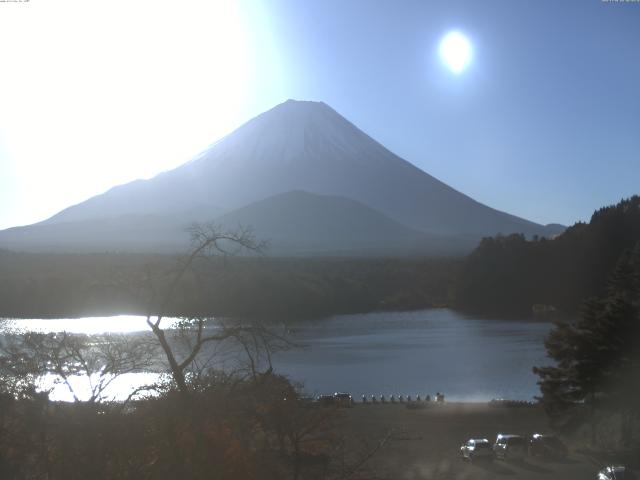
(385, 353)
(426, 443)
(293, 319)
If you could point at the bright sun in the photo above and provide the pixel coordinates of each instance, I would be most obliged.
(455, 51)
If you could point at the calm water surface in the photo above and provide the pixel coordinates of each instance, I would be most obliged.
(419, 352)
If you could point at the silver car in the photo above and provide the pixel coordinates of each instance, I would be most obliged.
(476, 448)
(512, 447)
(616, 473)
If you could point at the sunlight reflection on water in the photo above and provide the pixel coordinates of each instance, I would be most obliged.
(118, 390)
(88, 325)
(122, 386)
(420, 352)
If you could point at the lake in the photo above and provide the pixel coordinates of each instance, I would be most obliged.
(409, 353)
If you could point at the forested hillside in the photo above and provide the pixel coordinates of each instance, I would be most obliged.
(512, 274)
(63, 285)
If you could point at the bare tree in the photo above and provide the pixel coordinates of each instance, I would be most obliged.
(99, 360)
(197, 332)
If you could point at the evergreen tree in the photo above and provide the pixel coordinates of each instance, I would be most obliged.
(510, 274)
(598, 357)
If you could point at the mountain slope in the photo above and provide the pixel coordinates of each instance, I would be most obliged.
(292, 223)
(302, 146)
(303, 223)
(127, 233)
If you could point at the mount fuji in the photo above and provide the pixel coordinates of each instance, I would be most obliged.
(303, 177)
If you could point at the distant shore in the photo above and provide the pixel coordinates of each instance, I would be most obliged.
(83, 285)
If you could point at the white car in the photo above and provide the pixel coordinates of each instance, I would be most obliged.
(476, 448)
(512, 447)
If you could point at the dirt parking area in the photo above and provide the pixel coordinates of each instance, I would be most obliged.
(425, 443)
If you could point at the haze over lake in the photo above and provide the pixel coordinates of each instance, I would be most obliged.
(409, 353)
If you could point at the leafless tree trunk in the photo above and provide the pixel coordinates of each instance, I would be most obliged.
(209, 240)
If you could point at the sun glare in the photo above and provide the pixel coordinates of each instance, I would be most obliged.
(456, 51)
(129, 91)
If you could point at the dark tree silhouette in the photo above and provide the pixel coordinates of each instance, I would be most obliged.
(598, 357)
(198, 331)
(511, 274)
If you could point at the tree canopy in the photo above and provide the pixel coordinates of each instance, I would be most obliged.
(512, 273)
(598, 356)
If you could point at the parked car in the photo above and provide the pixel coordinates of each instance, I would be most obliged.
(343, 399)
(512, 447)
(617, 472)
(547, 446)
(476, 448)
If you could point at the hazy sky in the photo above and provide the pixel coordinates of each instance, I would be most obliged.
(544, 123)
